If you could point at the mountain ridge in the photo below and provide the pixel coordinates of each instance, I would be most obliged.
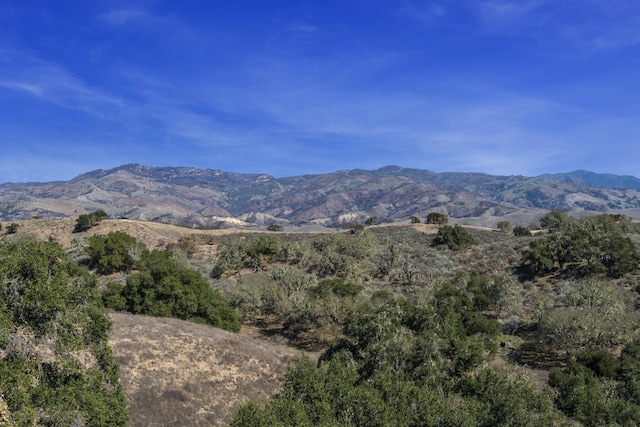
(604, 180)
(215, 198)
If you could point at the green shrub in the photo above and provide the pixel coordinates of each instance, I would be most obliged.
(520, 231)
(582, 247)
(437, 218)
(113, 298)
(231, 255)
(599, 388)
(337, 287)
(455, 238)
(336, 253)
(86, 221)
(117, 251)
(47, 298)
(403, 364)
(164, 288)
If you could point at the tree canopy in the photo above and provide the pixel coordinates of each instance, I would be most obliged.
(50, 311)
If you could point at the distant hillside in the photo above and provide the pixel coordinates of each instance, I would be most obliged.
(217, 199)
(604, 180)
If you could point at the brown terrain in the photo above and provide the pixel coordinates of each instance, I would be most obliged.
(216, 199)
(177, 373)
(180, 373)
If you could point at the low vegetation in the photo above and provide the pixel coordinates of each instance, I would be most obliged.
(415, 324)
(160, 286)
(454, 237)
(583, 247)
(55, 365)
(86, 221)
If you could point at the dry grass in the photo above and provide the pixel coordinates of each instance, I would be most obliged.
(177, 373)
(151, 233)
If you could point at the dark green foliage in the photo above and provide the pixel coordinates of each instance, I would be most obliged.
(599, 388)
(414, 220)
(422, 359)
(539, 257)
(583, 247)
(113, 297)
(12, 228)
(39, 281)
(617, 254)
(86, 221)
(402, 364)
(260, 252)
(46, 298)
(371, 220)
(164, 288)
(336, 287)
(601, 362)
(274, 227)
(116, 251)
(437, 218)
(510, 400)
(455, 238)
(521, 231)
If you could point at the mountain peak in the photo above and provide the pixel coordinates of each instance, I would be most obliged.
(190, 196)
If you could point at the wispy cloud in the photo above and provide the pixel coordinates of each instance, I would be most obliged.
(150, 106)
(302, 28)
(170, 29)
(124, 16)
(300, 93)
(590, 24)
(500, 14)
(428, 13)
(54, 84)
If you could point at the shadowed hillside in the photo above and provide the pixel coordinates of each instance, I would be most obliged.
(216, 199)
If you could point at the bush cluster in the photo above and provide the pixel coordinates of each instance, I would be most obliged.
(161, 286)
(599, 388)
(582, 247)
(404, 364)
(86, 221)
(47, 298)
(437, 218)
(455, 238)
(117, 251)
(164, 288)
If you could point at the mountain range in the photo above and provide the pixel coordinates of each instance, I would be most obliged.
(214, 198)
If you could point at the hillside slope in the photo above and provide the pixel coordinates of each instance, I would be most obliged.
(217, 199)
(176, 373)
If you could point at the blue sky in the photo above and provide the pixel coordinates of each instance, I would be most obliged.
(294, 87)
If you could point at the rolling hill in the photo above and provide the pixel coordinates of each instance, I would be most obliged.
(217, 199)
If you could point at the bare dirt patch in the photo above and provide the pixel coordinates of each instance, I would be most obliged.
(177, 373)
